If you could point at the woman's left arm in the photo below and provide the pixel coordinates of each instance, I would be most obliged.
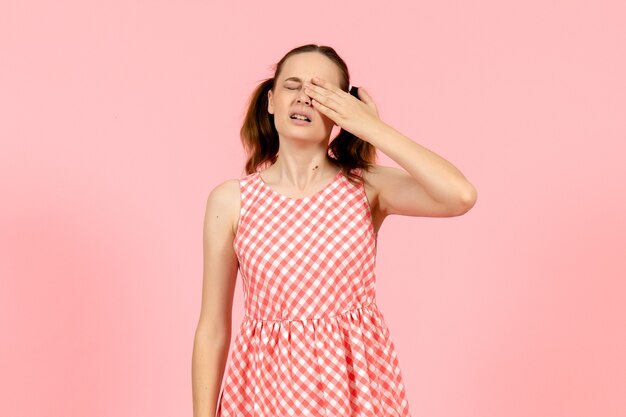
(435, 186)
(431, 186)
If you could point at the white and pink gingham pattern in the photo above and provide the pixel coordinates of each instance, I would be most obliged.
(313, 341)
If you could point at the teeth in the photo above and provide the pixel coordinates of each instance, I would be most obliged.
(298, 116)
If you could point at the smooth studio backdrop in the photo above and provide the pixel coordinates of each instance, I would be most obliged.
(117, 119)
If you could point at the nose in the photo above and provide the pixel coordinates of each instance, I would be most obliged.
(302, 97)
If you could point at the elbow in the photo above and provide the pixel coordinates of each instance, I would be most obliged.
(213, 331)
(468, 199)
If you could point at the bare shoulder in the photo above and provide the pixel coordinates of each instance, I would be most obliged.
(377, 177)
(375, 174)
(224, 201)
(379, 173)
(384, 181)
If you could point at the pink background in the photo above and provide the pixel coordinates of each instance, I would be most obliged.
(119, 117)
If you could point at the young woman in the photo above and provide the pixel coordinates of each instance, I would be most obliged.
(302, 232)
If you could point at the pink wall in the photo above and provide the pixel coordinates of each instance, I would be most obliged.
(118, 118)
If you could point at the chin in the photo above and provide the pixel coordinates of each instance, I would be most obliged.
(311, 136)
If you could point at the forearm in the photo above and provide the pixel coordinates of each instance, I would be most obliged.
(208, 362)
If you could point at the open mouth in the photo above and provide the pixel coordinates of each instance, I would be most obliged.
(300, 117)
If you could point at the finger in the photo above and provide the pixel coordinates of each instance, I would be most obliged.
(322, 97)
(363, 95)
(326, 86)
(325, 110)
(366, 98)
(319, 81)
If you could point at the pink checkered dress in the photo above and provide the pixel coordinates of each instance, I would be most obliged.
(313, 341)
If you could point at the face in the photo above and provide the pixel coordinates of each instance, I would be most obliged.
(289, 95)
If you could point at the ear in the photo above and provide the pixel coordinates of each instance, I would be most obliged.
(270, 102)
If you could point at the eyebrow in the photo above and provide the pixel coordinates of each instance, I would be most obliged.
(293, 79)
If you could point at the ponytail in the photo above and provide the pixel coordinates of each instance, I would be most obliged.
(258, 133)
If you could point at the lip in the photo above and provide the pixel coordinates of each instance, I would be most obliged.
(300, 122)
(303, 112)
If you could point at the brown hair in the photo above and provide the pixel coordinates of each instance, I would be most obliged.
(260, 137)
